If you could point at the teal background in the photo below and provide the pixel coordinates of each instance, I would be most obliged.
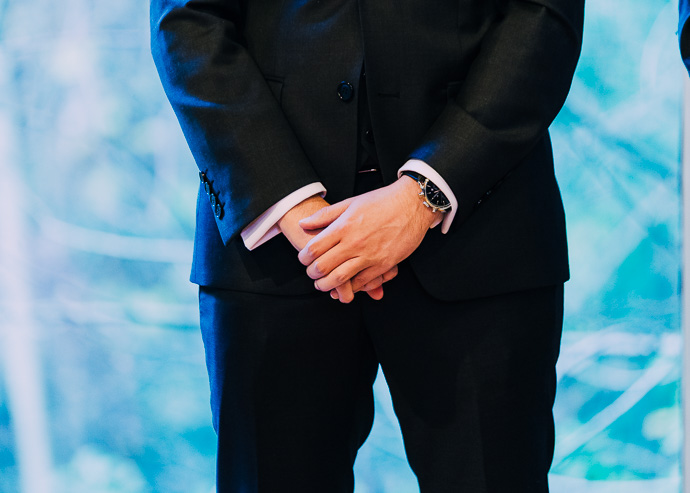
(102, 379)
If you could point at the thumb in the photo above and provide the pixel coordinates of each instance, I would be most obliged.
(324, 217)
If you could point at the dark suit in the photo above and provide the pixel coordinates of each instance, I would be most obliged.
(683, 32)
(468, 86)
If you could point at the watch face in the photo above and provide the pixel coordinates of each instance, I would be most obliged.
(435, 196)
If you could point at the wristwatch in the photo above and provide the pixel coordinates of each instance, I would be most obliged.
(432, 196)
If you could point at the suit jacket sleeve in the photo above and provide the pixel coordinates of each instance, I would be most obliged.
(513, 90)
(233, 124)
(684, 31)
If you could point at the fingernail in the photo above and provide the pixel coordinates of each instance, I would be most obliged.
(334, 295)
(316, 286)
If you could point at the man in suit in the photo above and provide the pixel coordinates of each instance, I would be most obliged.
(375, 102)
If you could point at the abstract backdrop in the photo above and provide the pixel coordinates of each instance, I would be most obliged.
(102, 380)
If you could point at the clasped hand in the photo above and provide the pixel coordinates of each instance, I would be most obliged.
(361, 240)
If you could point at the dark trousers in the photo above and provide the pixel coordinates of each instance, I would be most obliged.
(472, 384)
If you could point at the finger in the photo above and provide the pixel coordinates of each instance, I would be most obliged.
(378, 281)
(344, 272)
(318, 245)
(370, 273)
(391, 274)
(345, 293)
(373, 284)
(328, 261)
(324, 217)
(334, 292)
(376, 293)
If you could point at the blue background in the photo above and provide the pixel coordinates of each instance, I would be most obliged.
(102, 379)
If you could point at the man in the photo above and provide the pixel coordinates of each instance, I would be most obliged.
(373, 102)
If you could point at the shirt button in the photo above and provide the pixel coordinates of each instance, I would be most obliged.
(369, 135)
(345, 91)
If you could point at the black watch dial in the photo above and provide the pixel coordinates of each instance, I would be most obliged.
(435, 196)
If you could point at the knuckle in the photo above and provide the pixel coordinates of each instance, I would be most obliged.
(358, 242)
(374, 283)
(316, 270)
(312, 251)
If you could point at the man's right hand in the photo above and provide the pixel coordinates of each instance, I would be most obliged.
(298, 237)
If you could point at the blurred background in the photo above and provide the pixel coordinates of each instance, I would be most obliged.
(102, 380)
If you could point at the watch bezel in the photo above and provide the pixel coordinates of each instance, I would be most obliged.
(435, 206)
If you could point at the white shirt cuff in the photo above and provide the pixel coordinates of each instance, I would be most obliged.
(265, 227)
(427, 171)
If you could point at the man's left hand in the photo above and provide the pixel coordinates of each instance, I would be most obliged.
(365, 236)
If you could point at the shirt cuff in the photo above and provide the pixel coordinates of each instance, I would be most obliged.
(265, 227)
(427, 171)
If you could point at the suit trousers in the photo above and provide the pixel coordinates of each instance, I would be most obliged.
(472, 383)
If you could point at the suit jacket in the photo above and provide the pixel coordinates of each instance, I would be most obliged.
(468, 86)
(683, 32)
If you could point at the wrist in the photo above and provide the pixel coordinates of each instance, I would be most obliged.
(424, 214)
(289, 223)
(304, 209)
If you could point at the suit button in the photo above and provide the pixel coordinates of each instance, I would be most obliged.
(218, 210)
(369, 135)
(207, 187)
(213, 199)
(345, 91)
